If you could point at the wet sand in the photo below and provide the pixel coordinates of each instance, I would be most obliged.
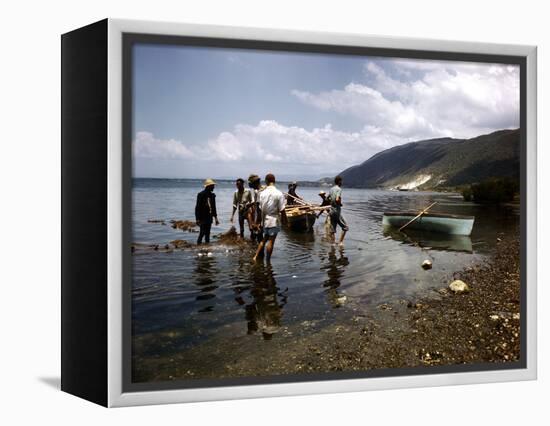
(440, 328)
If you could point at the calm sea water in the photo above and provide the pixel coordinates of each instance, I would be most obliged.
(224, 293)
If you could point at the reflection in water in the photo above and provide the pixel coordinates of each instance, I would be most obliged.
(265, 312)
(199, 296)
(205, 274)
(298, 247)
(240, 282)
(431, 240)
(335, 267)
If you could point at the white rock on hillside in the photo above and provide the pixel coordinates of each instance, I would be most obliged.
(419, 180)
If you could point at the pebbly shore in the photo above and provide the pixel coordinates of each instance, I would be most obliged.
(481, 325)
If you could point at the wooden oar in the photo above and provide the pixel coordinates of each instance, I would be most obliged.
(417, 216)
(298, 200)
(307, 208)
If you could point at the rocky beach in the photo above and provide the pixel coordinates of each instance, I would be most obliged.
(439, 328)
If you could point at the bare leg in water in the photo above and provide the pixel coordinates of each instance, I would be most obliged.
(269, 248)
(259, 250)
(342, 236)
(268, 242)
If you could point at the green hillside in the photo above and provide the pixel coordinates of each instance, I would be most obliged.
(442, 162)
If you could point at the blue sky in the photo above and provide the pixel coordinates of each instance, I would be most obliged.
(216, 112)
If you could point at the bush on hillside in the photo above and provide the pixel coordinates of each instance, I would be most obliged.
(492, 191)
(467, 193)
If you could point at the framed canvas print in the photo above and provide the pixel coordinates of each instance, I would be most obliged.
(252, 212)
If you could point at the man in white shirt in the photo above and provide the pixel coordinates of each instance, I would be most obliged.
(272, 206)
(336, 218)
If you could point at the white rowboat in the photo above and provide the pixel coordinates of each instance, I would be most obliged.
(433, 222)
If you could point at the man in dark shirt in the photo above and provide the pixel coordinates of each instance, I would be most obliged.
(292, 198)
(205, 210)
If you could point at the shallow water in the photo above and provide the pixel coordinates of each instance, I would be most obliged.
(194, 295)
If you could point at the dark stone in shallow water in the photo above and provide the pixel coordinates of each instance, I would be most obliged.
(161, 221)
(230, 237)
(179, 244)
(184, 225)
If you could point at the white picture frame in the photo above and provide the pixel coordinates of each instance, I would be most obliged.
(115, 391)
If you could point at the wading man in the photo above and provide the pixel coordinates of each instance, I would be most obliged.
(242, 201)
(272, 206)
(205, 210)
(254, 213)
(336, 218)
(292, 198)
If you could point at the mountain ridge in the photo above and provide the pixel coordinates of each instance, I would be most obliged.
(439, 162)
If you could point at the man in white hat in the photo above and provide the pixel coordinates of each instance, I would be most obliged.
(205, 210)
(325, 201)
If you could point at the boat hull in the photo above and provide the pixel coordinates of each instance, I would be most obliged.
(432, 240)
(301, 222)
(447, 224)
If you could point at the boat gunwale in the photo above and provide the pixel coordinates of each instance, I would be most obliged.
(435, 215)
(301, 216)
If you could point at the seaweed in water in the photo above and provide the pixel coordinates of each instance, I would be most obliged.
(184, 225)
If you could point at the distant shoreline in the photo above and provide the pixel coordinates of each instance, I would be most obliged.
(303, 183)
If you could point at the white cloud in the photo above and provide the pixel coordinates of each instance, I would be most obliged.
(399, 101)
(325, 147)
(434, 98)
(270, 142)
(369, 105)
(147, 146)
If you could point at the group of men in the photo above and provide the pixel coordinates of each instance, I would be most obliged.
(263, 207)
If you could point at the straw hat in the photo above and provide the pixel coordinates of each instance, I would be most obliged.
(209, 182)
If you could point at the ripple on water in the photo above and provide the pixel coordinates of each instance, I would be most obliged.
(309, 278)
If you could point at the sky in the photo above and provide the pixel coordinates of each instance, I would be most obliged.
(224, 113)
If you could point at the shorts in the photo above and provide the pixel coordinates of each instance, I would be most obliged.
(336, 218)
(257, 235)
(272, 232)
